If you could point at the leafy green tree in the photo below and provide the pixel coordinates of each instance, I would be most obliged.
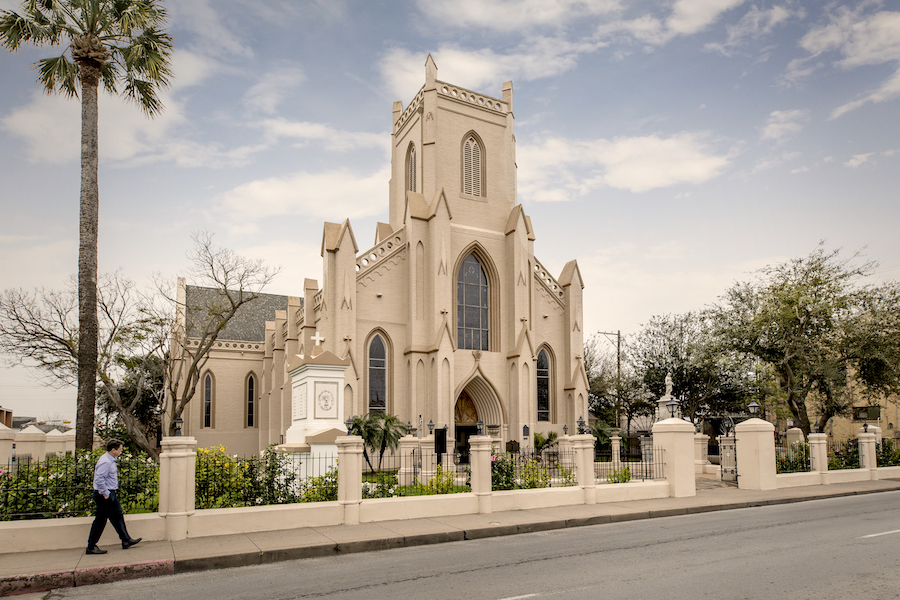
(119, 43)
(704, 374)
(820, 328)
(542, 441)
(601, 371)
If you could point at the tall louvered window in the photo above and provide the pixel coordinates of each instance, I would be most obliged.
(377, 375)
(411, 169)
(472, 305)
(543, 386)
(472, 167)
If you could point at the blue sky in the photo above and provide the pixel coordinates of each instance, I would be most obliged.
(671, 147)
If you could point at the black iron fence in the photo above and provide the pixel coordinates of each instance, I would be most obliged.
(843, 455)
(887, 453)
(528, 469)
(649, 465)
(417, 473)
(794, 458)
(224, 481)
(62, 486)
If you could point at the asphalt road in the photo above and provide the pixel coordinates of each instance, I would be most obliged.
(839, 548)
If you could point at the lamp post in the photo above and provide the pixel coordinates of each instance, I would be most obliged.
(430, 426)
(565, 430)
(179, 422)
(753, 407)
(480, 427)
(409, 428)
(349, 424)
(671, 405)
(580, 423)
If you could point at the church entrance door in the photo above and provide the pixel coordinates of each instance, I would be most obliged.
(466, 419)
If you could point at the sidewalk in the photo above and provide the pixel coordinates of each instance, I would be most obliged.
(39, 571)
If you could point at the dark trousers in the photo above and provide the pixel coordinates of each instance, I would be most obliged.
(107, 508)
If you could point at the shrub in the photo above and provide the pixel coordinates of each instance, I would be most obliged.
(793, 459)
(888, 453)
(503, 472)
(533, 475)
(622, 475)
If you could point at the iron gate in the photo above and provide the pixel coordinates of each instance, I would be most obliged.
(728, 458)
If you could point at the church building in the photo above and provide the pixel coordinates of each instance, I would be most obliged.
(448, 319)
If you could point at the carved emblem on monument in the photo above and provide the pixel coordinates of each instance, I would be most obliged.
(326, 400)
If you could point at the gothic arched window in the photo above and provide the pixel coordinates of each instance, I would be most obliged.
(251, 401)
(208, 400)
(472, 305)
(543, 386)
(377, 375)
(411, 169)
(473, 166)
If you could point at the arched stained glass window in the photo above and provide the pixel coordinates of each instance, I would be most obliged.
(472, 305)
(207, 400)
(472, 156)
(543, 386)
(377, 375)
(251, 400)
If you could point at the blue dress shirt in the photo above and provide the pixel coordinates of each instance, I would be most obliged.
(106, 475)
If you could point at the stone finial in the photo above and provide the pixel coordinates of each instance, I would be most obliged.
(508, 95)
(430, 71)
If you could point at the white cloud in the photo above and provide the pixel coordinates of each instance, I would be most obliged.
(404, 70)
(212, 36)
(784, 123)
(756, 22)
(691, 16)
(50, 127)
(859, 159)
(272, 88)
(332, 195)
(327, 137)
(860, 39)
(558, 169)
(513, 15)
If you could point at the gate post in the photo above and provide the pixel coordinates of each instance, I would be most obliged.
(616, 442)
(756, 455)
(177, 484)
(818, 452)
(676, 438)
(480, 460)
(350, 449)
(867, 456)
(583, 444)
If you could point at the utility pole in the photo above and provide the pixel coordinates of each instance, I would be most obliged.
(618, 343)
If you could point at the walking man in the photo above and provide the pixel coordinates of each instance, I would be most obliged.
(106, 487)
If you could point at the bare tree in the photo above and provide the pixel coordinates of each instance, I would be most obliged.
(41, 328)
(230, 282)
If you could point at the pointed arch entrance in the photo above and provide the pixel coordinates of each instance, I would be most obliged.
(476, 401)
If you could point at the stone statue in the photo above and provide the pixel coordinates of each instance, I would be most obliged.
(668, 384)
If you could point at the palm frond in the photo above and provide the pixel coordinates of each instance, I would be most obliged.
(58, 74)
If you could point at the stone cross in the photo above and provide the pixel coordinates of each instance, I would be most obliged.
(318, 339)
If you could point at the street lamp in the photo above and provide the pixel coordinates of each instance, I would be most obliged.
(753, 407)
(865, 428)
(409, 428)
(349, 424)
(580, 423)
(480, 426)
(565, 430)
(671, 404)
(430, 426)
(178, 423)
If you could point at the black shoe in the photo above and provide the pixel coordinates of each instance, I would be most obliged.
(94, 550)
(130, 543)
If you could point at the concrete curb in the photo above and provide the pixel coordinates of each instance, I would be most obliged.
(39, 582)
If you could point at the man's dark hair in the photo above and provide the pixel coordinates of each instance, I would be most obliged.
(113, 444)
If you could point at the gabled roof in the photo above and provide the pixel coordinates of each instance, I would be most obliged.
(333, 236)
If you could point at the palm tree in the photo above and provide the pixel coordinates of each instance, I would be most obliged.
(118, 42)
(365, 427)
(389, 430)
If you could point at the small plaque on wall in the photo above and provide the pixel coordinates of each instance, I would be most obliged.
(298, 402)
(326, 400)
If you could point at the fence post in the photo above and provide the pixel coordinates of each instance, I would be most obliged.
(410, 461)
(177, 484)
(583, 445)
(755, 452)
(480, 460)
(818, 452)
(616, 442)
(676, 438)
(867, 457)
(7, 436)
(350, 449)
(701, 452)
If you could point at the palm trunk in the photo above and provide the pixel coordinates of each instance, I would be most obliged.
(87, 260)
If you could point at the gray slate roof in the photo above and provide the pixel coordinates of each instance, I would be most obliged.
(249, 323)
